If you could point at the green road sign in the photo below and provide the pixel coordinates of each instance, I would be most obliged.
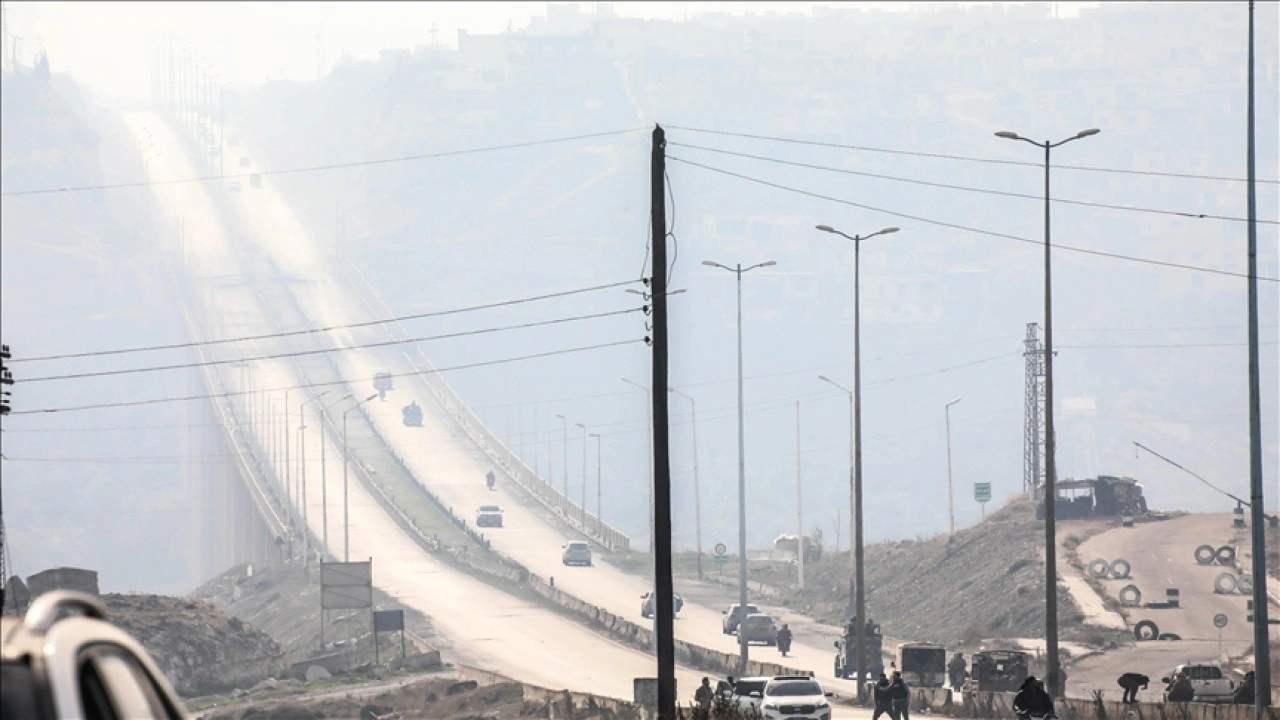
(982, 492)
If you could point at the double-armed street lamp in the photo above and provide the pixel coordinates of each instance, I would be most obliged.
(739, 271)
(1050, 467)
(855, 516)
(951, 488)
(648, 409)
(697, 491)
(302, 472)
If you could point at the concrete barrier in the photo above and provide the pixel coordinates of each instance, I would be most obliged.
(1000, 705)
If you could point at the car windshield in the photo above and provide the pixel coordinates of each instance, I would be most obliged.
(759, 620)
(577, 546)
(1202, 672)
(746, 687)
(489, 508)
(793, 689)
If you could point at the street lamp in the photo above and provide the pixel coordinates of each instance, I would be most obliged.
(951, 488)
(599, 496)
(564, 455)
(302, 469)
(697, 491)
(324, 483)
(346, 460)
(1050, 465)
(648, 409)
(738, 271)
(582, 510)
(859, 600)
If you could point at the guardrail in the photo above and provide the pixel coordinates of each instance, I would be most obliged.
(564, 508)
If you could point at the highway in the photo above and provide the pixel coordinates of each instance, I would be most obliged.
(456, 475)
(485, 626)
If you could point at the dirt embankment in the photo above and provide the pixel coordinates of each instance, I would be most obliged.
(284, 601)
(200, 649)
(985, 582)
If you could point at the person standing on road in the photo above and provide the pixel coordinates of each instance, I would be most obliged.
(1181, 690)
(1132, 682)
(901, 696)
(883, 703)
(1247, 692)
(1032, 700)
(956, 668)
(704, 695)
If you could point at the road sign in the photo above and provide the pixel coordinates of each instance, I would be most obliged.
(1220, 621)
(720, 559)
(721, 549)
(982, 492)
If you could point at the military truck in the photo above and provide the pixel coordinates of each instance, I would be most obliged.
(997, 671)
(412, 414)
(846, 665)
(922, 664)
(1103, 496)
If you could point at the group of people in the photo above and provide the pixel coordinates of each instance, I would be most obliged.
(892, 698)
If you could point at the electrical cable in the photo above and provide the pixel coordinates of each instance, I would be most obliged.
(967, 158)
(328, 328)
(316, 351)
(966, 228)
(330, 166)
(209, 396)
(984, 191)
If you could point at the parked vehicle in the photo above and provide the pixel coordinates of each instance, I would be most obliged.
(1207, 681)
(997, 671)
(489, 516)
(794, 698)
(412, 414)
(733, 616)
(748, 695)
(63, 659)
(577, 552)
(760, 628)
(846, 663)
(922, 664)
(648, 604)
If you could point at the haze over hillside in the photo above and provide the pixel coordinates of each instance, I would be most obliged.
(1147, 353)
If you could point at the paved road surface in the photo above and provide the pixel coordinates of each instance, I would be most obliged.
(1162, 556)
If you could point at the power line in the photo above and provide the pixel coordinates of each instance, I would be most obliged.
(967, 158)
(984, 191)
(330, 328)
(965, 228)
(329, 166)
(209, 396)
(316, 351)
(1175, 345)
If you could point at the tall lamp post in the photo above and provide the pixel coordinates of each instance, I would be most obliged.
(855, 519)
(697, 490)
(564, 455)
(599, 495)
(324, 482)
(582, 509)
(1050, 465)
(951, 488)
(738, 271)
(346, 460)
(648, 404)
(302, 471)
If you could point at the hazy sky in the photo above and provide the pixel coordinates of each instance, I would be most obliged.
(107, 45)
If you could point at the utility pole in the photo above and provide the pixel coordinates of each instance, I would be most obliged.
(799, 506)
(1261, 639)
(951, 488)
(6, 379)
(661, 442)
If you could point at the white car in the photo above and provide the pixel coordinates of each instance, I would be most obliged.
(1208, 681)
(577, 552)
(792, 697)
(748, 694)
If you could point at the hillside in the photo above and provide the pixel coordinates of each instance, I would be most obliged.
(943, 312)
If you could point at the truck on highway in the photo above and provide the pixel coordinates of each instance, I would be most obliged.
(846, 664)
(997, 671)
(922, 664)
(1207, 681)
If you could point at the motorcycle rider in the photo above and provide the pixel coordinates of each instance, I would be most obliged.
(490, 479)
(784, 639)
(1032, 700)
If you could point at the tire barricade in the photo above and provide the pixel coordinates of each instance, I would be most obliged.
(1100, 569)
(1226, 555)
(1224, 584)
(1244, 584)
(1146, 630)
(1130, 596)
(1120, 569)
(1206, 555)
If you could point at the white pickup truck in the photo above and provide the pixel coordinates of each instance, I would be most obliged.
(1208, 682)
